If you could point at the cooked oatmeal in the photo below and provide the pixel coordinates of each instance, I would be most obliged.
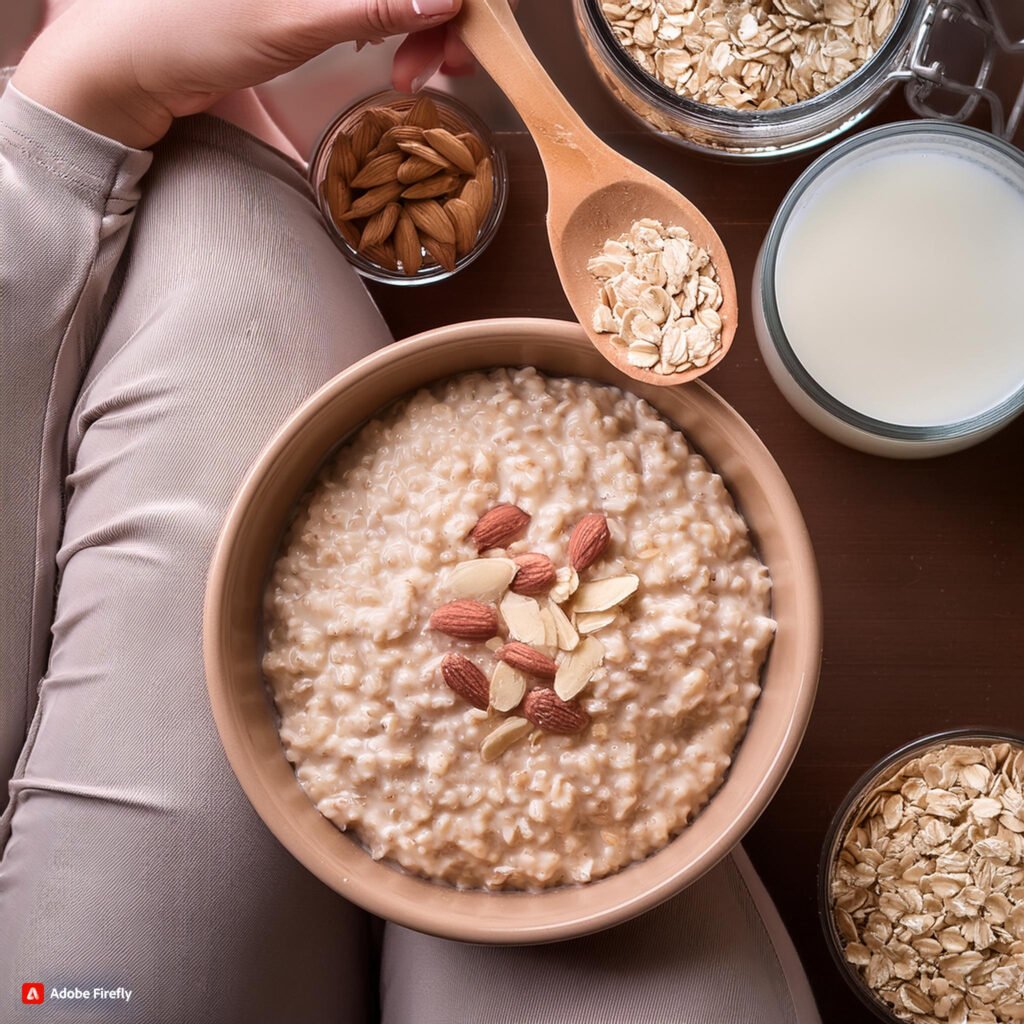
(385, 749)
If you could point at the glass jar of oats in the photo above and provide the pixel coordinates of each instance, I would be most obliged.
(767, 78)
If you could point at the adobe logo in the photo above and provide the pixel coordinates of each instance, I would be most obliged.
(33, 992)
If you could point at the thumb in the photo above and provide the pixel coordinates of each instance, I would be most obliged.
(375, 19)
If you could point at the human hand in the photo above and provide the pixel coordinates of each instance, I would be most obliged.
(127, 68)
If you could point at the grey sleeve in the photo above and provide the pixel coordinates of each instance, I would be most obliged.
(67, 199)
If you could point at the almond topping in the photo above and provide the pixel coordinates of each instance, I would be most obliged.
(528, 660)
(522, 618)
(548, 711)
(498, 526)
(591, 622)
(465, 620)
(577, 667)
(567, 637)
(466, 680)
(511, 731)
(535, 573)
(485, 579)
(600, 595)
(588, 540)
(508, 687)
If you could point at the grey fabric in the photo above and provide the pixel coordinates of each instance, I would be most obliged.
(138, 382)
(134, 858)
(702, 958)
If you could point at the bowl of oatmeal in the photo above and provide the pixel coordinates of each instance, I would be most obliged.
(504, 646)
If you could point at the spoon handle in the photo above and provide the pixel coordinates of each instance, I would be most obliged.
(490, 30)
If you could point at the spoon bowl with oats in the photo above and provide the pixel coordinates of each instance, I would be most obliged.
(643, 269)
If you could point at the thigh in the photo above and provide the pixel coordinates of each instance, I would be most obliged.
(134, 861)
(706, 957)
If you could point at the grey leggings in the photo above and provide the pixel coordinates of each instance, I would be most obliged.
(148, 353)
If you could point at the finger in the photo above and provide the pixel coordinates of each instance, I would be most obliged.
(456, 52)
(418, 59)
(451, 72)
(375, 19)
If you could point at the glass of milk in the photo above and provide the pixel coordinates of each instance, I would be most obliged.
(889, 293)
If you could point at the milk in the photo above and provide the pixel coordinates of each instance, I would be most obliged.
(900, 284)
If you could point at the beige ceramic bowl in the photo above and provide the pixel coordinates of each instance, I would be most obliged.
(245, 715)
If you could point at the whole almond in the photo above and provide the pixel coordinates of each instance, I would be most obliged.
(423, 113)
(429, 217)
(431, 188)
(366, 135)
(338, 196)
(376, 199)
(466, 680)
(402, 133)
(549, 712)
(485, 176)
(465, 620)
(526, 659)
(474, 145)
(386, 117)
(535, 574)
(383, 255)
(379, 171)
(499, 526)
(473, 193)
(464, 221)
(407, 245)
(588, 540)
(415, 168)
(441, 252)
(379, 227)
(451, 149)
(343, 158)
(428, 153)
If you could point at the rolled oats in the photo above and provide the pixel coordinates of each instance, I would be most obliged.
(750, 54)
(928, 888)
(659, 298)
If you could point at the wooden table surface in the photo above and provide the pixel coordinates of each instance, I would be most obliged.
(922, 562)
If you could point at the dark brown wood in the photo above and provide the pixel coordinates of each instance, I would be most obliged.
(922, 563)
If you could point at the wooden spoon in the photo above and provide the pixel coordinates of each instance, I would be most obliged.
(594, 193)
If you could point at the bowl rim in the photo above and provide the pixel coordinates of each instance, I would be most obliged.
(379, 900)
(894, 760)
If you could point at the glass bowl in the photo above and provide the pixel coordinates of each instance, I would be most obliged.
(851, 810)
(456, 117)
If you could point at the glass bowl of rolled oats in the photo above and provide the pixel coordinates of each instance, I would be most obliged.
(750, 78)
(412, 188)
(921, 888)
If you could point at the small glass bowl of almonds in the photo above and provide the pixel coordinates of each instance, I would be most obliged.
(921, 885)
(411, 187)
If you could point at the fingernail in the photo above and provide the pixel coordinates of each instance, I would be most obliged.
(426, 75)
(433, 8)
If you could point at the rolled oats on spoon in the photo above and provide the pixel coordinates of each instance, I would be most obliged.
(659, 298)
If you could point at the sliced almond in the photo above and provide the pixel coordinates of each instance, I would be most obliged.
(591, 622)
(578, 667)
(494, 643)
(568, 638)
(508, 687)
(566, 582)
(485, 579)
(550, 630)
(511, 731)
(600, 595)
(522, 618)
